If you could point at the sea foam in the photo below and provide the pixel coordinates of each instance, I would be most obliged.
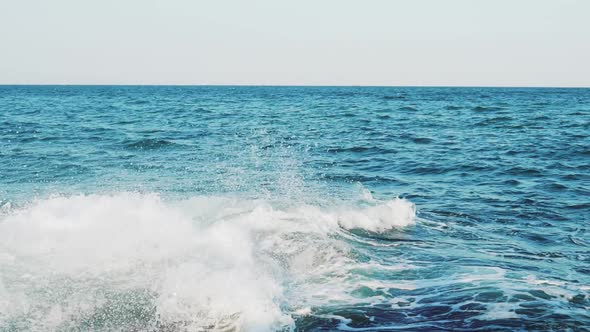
(137, 261)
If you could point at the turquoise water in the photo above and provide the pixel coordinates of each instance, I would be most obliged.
(294, 208)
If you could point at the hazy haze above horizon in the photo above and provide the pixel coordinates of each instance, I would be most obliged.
(305, 42)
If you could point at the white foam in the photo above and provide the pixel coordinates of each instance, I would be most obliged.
(496, 311)
(380, 218)
(203, 262)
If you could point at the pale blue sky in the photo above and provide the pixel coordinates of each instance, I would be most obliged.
(315, 42)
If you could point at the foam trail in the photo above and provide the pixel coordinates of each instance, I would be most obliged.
(131, 261)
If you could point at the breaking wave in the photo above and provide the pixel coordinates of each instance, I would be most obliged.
(130, 261)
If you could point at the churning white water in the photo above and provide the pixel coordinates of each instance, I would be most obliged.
(130, 261)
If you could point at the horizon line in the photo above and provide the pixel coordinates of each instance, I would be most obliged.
(300, 85)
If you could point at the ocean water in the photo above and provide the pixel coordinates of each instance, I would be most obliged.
(294, 209)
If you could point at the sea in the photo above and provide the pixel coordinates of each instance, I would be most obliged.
(265, 208)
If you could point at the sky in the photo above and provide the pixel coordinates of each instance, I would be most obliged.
(302, 42)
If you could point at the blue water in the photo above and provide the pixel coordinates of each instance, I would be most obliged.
(294, 208)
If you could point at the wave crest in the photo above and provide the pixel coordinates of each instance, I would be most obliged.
(137, 261)
(380, 218)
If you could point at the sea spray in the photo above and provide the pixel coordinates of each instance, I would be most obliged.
(132, 260)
